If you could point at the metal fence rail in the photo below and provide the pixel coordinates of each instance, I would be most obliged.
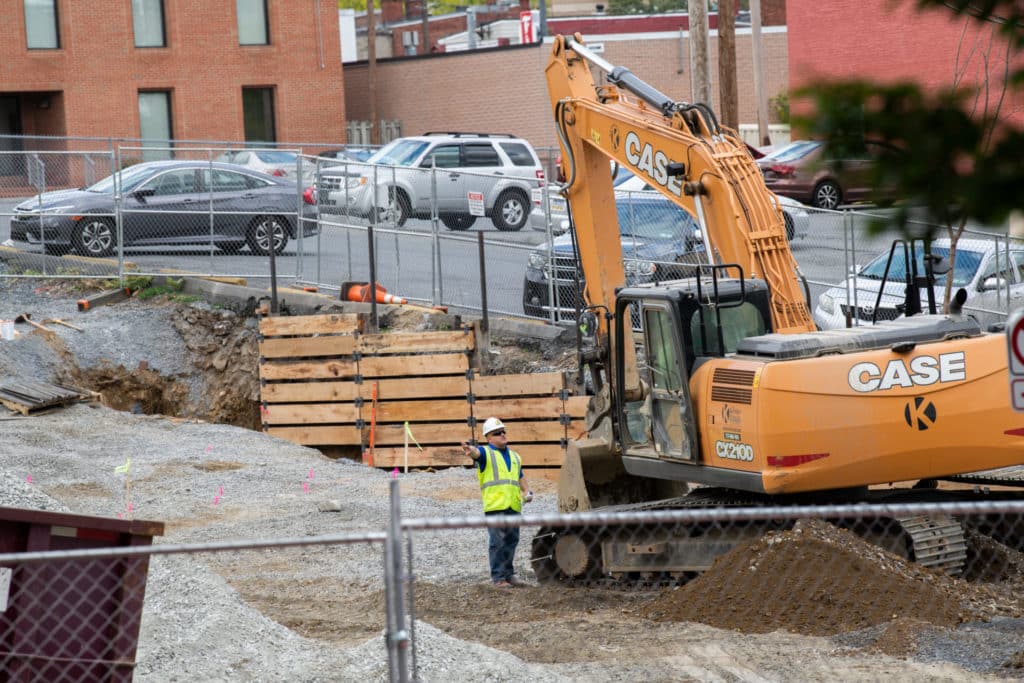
(830, 570)
(212, 223)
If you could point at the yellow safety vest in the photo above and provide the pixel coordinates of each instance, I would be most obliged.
(499, 485)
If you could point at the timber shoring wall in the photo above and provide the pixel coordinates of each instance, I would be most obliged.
(319, 375)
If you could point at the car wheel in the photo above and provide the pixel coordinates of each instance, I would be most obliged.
(458, 221)
(790, 228)
(827, 195)
(260, 234)
(230, 247)
(398, 208)
(95, 237)
(511, 211)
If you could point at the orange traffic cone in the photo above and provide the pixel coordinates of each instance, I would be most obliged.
(361, 292)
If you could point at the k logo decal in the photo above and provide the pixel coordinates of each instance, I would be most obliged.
(920, 414)
(615, 137)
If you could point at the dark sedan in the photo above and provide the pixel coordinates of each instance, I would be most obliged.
(660, 241)
(169, 203)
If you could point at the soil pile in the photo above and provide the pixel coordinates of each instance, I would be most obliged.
(817, 579)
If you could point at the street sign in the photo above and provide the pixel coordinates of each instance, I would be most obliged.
(1015, 354)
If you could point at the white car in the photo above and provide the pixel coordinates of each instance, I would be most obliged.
(466, 174)
(273, 162)
(798, 221)
(993, 284)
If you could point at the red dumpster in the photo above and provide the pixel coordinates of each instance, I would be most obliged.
(71, 620)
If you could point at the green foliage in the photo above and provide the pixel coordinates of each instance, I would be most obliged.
(780, 105)
(943, 152)
(135, 282)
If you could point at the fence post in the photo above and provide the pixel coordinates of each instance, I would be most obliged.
(373, 276)
(483, 282)
(550, 261)
(438, 296)
(300, 227)
(397, 637)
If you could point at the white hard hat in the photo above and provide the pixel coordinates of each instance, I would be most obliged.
(492, 424)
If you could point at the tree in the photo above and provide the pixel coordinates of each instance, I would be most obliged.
(954, 153)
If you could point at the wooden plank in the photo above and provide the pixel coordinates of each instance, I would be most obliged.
(519, 408)
(452, 410)
(543, 455)
(305, 347)
(576, 406)
(337, 435)
(387, 389)
(457, 432)
(310, 413)
(549, 473)
(408, 366)
(518, 385)
(320, 392)
(319, 369)
(457, 341)
(335, 323)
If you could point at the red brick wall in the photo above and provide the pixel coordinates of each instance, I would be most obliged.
(505, 90)
(880, 40)
(99, 71)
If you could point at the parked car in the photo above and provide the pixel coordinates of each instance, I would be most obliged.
(795, 215)
(168, 202)
(502, 169)
(977, 270)
(355, 154)
(270, 161)
(807, 172)
(660, 241)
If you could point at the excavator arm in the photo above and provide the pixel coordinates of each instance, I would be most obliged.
(682, 152)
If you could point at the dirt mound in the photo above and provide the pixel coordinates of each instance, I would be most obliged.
(817, 579)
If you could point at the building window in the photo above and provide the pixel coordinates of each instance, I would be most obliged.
(41, 24)
(252, 22)
(155, 124)
(148, 22)
(258, 111)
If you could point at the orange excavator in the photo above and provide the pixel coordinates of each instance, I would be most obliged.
(717, 389)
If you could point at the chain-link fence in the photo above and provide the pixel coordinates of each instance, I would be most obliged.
(207, 212)
(602, 595)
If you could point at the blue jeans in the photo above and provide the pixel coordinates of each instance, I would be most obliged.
(501, 548)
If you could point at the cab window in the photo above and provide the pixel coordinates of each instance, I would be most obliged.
(662, 359)
(738, 323)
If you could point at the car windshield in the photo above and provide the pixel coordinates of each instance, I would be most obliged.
(398, 153)
(792, 152)
(653, 219)
(276, 157)
(967, 264)
(129, 178)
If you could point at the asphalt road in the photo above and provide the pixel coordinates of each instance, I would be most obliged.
(405, 262)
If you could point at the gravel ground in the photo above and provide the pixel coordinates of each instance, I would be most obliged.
(316, 613)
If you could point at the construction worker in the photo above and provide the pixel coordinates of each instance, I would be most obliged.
(503, 489)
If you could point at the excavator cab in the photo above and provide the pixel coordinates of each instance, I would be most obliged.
(682, 325)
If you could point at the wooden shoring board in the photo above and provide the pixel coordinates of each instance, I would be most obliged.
(307, 347)
(310, 413)
(541, 383)
(576, 406)
(434, 342)
(549, 473)
(519, 408)
(301, 325)
(335, 435)
(456, 432)
(387, 389)
(370, 367)
(537, 455)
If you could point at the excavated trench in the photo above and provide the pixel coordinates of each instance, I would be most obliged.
(222, 385)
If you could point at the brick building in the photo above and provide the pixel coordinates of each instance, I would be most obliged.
(882, 41)
(184, 69)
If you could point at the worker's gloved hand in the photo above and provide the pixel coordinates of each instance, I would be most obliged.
(528, 497)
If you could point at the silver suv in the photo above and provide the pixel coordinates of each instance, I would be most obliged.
(465, 173)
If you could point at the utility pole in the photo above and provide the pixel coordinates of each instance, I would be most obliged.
(728, 91)
(371, 55)
(759, 75)
(700, 60)
(425, 6)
